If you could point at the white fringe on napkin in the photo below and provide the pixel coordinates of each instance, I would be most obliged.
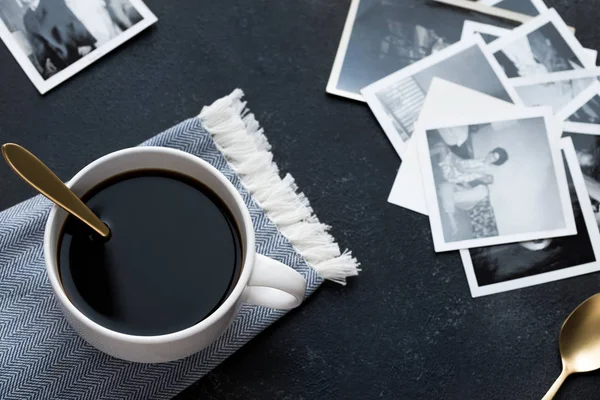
(240, 138)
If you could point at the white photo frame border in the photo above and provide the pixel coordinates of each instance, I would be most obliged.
(45, 85)
(556, 77)
(340, 56)
(592, 230)
(369, 92)
(587, 73)
(552, 132)
(577, 127)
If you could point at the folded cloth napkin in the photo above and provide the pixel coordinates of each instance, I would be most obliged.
(42, 357)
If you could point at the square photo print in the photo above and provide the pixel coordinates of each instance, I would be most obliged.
(497, 269)
(505, 183)
(541, 46)
(53, 40)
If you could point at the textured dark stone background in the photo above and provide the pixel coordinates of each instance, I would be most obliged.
(407, 328)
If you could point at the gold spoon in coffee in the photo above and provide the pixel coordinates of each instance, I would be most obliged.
(579, 342)
(38, 175)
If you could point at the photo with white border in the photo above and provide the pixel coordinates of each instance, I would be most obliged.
(502, 268)
(505, 183)
(541, 46)
(381, 36)
(397, 99)
(53, 42)
(444, 100)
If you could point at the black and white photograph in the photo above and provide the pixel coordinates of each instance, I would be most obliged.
(541, 46)
(382, 36)
(528, 7)
(444, 100)
(583, 113)
(495, 181)
(501, 268)
(397, 99)
(54, 39)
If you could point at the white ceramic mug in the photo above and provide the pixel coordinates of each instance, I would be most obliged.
(262, 281)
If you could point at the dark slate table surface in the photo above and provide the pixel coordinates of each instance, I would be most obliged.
(407, 328)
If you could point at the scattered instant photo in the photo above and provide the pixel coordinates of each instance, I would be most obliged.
(381, 36)
(583, 113)
(54, 40)
(444, 100)
(587, 149)
(397, 99)
(507, 267)
(528, 7)
(556, 90)
(540, 46)
(505, 184)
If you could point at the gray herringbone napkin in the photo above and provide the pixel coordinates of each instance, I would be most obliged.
(42, 357)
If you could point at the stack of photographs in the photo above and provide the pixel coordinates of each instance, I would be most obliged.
(382, 36)
(498, 129)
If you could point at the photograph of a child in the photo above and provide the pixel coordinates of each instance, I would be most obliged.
(494, 183)
(464, 184)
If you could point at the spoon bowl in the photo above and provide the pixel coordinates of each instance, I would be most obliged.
(579, 342)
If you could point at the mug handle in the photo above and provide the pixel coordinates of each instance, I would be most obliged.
(274, 285)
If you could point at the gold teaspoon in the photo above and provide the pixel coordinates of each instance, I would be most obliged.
(38, 175)
(579, 342)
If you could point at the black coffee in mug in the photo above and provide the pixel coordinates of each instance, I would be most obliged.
(174, 255)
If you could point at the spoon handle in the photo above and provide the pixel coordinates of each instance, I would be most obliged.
(38, 175)
(557, 384)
